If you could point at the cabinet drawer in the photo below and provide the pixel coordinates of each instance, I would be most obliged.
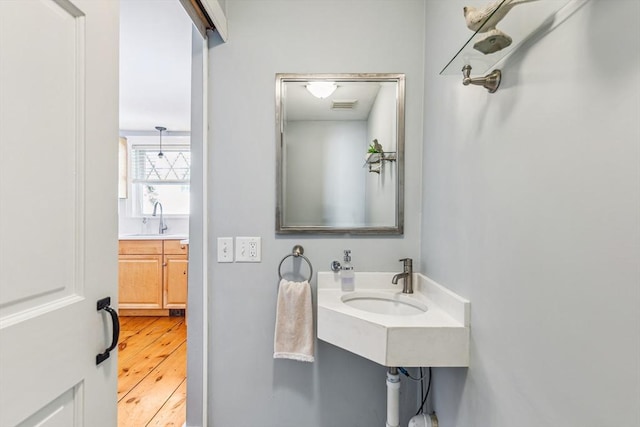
(174, 247)
(140, 247)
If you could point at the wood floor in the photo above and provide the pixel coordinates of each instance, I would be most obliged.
(152, 371)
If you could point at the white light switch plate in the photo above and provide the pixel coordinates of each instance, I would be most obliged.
(248, 249)
(225, 249)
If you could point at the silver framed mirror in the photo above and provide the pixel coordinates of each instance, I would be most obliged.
(340, 153)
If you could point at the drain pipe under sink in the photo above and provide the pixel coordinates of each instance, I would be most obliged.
(393, 405)
(393, 398)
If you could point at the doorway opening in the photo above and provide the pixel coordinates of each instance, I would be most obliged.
(154, 212)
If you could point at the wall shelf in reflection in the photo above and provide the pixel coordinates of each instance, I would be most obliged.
(521, 23)
(389, 156)
(375, 160)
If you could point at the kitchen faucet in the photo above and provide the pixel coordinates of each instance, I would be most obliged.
(407, 275)
(162, 226)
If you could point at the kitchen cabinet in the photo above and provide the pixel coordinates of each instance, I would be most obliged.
(176, 266)
(153, 276)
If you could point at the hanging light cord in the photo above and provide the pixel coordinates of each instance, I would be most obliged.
(160, 129)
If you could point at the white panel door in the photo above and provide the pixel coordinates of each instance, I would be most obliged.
(58, 212)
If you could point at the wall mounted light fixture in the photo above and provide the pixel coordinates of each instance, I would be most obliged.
(321, 89)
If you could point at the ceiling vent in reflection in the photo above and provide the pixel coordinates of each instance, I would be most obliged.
(343, 104)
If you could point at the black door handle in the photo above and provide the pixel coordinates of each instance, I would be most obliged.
(103, 304)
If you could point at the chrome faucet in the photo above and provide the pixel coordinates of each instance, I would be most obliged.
(162, 226)
(407, 275)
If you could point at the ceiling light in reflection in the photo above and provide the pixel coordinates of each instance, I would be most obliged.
(321, 89)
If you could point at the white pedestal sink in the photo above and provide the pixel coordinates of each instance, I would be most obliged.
(377, 321)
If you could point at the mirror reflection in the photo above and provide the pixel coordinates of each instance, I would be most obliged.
(340, 143)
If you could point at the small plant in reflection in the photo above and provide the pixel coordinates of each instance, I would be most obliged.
(375, 147)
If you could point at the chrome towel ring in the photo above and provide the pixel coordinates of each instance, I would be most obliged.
(297, 252)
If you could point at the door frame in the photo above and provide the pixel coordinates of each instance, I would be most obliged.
(197, 306)
(207, 16)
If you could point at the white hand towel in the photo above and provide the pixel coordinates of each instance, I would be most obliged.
(293, 338)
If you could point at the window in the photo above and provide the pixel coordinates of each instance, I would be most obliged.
(160, 179)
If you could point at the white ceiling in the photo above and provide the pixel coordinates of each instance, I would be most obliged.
(301, 105)
(155, 65)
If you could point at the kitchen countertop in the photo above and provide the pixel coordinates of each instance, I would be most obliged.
(184, 238)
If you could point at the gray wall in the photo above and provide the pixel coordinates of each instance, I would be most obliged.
(531, 203)
(247, 387)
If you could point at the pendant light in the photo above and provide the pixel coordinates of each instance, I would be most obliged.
(160, 129)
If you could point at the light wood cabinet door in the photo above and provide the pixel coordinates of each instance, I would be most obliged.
(140, 281)
(176, 270)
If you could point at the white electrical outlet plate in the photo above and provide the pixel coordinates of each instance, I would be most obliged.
(248, 249)
(225, 249)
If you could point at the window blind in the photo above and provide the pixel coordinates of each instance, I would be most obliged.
(173, 167)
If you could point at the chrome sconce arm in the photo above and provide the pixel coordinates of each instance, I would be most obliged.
(491, 81)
